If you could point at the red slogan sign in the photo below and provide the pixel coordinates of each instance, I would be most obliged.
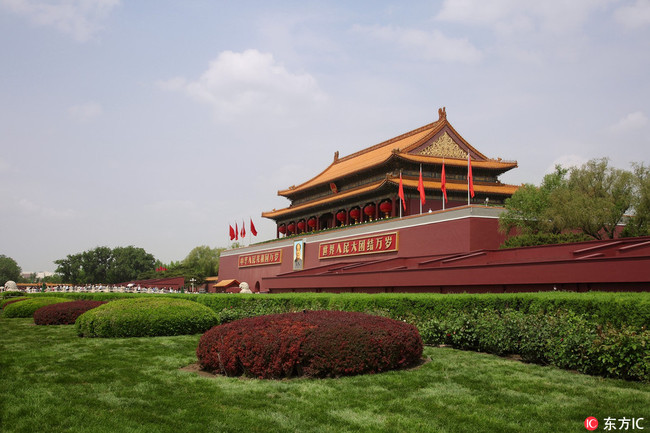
(273, 257)
(375, 244)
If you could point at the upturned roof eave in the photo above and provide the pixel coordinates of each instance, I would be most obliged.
(434, 127)
(490, 164)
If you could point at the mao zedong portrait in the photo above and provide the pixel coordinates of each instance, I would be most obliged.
(297, 256)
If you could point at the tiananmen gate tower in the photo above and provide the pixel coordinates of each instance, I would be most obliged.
(359, 226)
(364, 186)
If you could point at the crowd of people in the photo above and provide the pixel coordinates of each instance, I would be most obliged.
(99, 288)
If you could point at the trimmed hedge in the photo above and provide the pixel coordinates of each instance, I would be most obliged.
(8, 301)
(64, 313)
(146, 317)
(27, 307)
(310, 343)
(565, 339)
(618, 309)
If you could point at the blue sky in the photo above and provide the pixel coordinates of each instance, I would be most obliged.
(158, 123)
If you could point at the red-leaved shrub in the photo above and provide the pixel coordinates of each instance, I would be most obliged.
(311, 343)
(64, 313)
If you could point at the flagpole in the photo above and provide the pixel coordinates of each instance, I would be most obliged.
(467, 178)
(441, 185)
(400, 199)
(420, 191)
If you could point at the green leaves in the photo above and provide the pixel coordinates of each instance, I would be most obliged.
(146, 317)
(9, 270)
(105, 265)
(593, 199)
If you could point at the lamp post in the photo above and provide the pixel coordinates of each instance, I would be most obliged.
(192, 280)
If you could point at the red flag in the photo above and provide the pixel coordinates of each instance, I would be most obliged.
(421, 187)
(236, 232)
(443, 182)
(400, 192)
(470, 179)
(253, 230)
(243, 230)
(232, 232)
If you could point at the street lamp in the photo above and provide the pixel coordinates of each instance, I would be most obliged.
(192, 280)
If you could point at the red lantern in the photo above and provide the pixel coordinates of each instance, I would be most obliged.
(291, 228)
(301, 225)
(386, 207)
(282, 228)
(354, 213)
(311, 222)
(369, 210)
(340, 215)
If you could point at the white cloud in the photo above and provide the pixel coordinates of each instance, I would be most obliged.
(512, 16)
(79, 18)
(251, 82)
(432, 45)
(44, 211)
(567, 161)
(634, 16)
(85, 112)
(632, 121)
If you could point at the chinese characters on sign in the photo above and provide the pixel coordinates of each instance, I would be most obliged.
(384, 243)
(273, 257)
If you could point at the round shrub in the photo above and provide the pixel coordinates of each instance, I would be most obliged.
(146, 317)
(64, 313)
(27, 307)
(311, 343)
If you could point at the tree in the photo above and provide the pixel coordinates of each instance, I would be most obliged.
(129, 263)
(528, 210)
(105, 265)
(594, 200)
(203, 261)
(9, 270)
(639, 222)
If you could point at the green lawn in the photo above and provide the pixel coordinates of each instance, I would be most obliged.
(53, 381)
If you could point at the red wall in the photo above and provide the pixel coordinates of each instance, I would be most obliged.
(439, 233)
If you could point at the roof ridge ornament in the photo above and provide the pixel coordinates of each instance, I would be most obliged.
(442, 113)
(336, 156)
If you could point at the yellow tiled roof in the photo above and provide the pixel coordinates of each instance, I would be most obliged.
(226, 283)
(400, 145)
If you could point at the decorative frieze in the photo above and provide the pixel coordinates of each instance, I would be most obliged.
(445, 147)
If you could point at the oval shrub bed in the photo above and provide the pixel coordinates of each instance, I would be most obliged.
(64, 313)
(146, 317)
(311, 343)
(8, 301)
(27, 307)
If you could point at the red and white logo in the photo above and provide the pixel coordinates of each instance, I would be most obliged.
(591, 423)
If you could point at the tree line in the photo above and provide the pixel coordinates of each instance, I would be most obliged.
(121, 264)
(593, 201)
(104, 265)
